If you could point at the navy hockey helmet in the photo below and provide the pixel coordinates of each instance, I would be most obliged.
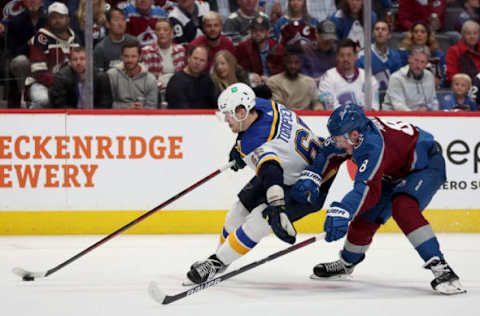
(345, 119)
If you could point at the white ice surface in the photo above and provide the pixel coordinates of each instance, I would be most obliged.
(113, 279)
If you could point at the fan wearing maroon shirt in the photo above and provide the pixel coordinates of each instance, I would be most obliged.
(213, 39)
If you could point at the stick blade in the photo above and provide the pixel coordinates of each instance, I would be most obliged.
(28, 275)
(155, 292)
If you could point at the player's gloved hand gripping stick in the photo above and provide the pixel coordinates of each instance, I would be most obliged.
(30, 276)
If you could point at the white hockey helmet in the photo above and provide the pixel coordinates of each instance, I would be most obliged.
(235, 95)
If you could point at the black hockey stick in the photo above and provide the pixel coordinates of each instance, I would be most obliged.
(30, 276)
(158, 295)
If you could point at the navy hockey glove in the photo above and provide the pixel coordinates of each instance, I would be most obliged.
(237, 157)
(277, 217)
(306, 189)
(280, 224)
(336, 222)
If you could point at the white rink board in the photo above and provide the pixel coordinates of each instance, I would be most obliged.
(119, 183)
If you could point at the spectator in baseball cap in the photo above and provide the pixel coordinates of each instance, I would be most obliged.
(320, 55)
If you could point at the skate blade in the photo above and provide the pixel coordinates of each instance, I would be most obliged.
(343, 277)
(450, 288)
(187, 282)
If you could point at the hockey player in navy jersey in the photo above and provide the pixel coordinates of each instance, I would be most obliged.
(275, 143)
(400, 168)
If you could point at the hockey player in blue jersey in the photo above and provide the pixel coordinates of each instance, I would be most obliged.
(275, 143)
(399, 170)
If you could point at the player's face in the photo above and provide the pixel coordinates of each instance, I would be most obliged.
(235, 123)
(164, 33)
(344, 143)
(470, 36)
(222, 67)
(212, 29)
(130, 57)
(78, 61)
(420, 35)
(117, 24)
(381, 32)
(346, 58)
(460, 87)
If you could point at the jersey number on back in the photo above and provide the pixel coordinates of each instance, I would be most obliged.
(306, 146)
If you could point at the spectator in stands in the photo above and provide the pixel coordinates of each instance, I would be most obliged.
(458, 99)
(412, 88)
(72, 5)
(421, 35)
(164, 57)
(79, 20)
(49, 51)
(296, 26)
(465, 56)
(68, 89)
(186, 18)
(227, 71)
(321, 10)
(213, 38)
(292, 88)
(385, 61)
(108, 51)
(349, 21)
(238, 23)
(20, 29)
(426, 11)
(260, 55)
(276, 12)
(320, 55)
(345, 83)
(191, 88)
(132, 86)
(141, 19)
(471, 12)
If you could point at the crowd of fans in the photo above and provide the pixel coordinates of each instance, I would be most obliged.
(180, 54)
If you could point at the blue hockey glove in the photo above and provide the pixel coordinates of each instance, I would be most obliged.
(336, 222)
(237, 157)
(306, 189)
(280, 224)
(277, 217)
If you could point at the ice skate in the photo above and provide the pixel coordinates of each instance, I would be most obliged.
(202, 271)
(336, 270)
(446, 281)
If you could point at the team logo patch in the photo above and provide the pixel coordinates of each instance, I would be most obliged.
(234, 89)
(42, 39)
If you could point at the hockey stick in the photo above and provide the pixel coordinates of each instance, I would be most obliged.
(158, 295)
(30, 276)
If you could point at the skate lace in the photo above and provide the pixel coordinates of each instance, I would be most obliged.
(334, 266)
(206, 268)
(440, 269)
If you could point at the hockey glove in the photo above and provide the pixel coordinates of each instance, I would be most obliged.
(237, 157)
(336, 222)
(306, 189)
(277, 217)
(280, 224)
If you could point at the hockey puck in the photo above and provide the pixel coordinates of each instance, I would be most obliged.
(28, 278)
